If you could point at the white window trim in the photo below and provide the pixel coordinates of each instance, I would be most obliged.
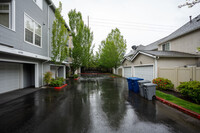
(25, 14)
(10, 15)
(165, 44)
(41, 8)
(13, 15)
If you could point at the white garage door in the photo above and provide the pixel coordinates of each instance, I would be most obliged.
(9, 76)
(127, 72)
(145, 72)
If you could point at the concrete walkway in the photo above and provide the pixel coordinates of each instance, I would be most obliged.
(9, 96)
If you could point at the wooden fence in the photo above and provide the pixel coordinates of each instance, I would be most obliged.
(180, 74)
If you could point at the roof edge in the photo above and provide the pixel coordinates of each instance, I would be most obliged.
(142, 52)
(53, 7)
(180, 35)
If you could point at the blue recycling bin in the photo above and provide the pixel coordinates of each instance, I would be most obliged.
(130, 84)
(133, 84)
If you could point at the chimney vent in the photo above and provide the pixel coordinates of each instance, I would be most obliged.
(190, 19)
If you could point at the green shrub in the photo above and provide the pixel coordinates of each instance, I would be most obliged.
(190, 89)
(61, 79)
(75, 76)
(47, 77)
(57, 82)
(163, 84)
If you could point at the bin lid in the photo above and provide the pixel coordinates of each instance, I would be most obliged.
(150, 84)
(135, 78)
(144, 81)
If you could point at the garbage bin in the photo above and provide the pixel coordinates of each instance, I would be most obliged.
(141, 87)
(134, 84)
(149, 90)
(130, 85)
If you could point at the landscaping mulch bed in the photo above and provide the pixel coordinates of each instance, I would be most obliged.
(178, 94)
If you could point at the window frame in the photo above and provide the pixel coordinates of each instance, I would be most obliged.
(9, 14)
(164, 45)
(12, 16)
(35, 1)
(35, 22)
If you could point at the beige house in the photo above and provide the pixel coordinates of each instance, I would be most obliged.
(178, 50)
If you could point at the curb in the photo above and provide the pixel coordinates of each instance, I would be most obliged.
(77, 78)
(93, 73)
(60, 87)
(184, 110)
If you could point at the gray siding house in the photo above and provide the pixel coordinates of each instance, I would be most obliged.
(25, 43)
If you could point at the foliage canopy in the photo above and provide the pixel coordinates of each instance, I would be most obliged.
(111, 50)
(59, 38)
(82, 40)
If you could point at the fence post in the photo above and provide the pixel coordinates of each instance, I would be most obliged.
(176, 77)
(193, 73)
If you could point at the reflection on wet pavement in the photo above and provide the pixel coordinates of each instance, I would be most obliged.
(94, 104)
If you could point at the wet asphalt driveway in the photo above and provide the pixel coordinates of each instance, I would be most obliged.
(94, 104)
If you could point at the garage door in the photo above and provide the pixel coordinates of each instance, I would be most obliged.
(9, 76)
(127, 72)
(120, 71)
(145, 72)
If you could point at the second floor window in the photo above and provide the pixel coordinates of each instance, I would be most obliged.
(33, 31)
(166, 47)
(5, 14)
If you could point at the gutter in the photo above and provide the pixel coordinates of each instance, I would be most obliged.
(48, 31)
(53, 7)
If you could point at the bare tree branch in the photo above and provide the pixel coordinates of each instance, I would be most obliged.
(189, 3)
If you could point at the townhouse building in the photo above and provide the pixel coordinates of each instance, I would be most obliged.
(25, 43)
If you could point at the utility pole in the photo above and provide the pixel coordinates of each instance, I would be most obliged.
(88, 21)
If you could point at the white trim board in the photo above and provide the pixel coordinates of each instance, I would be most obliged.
(22, 53)
(140, 52)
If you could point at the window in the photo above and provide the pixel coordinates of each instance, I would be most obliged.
(166, 47)
(39, 3)
(33, 31)
(5, 16)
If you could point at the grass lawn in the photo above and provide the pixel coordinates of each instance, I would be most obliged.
(185, 104)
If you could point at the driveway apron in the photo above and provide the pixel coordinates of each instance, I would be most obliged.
(93, 104)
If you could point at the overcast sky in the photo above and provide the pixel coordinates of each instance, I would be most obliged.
(140, 21)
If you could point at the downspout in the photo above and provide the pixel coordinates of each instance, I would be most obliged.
(43, 71)
(156, 67)
(48, 32)
(48, 48)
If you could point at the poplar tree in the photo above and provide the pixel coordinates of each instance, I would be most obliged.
(82, 40)
(59, 38)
